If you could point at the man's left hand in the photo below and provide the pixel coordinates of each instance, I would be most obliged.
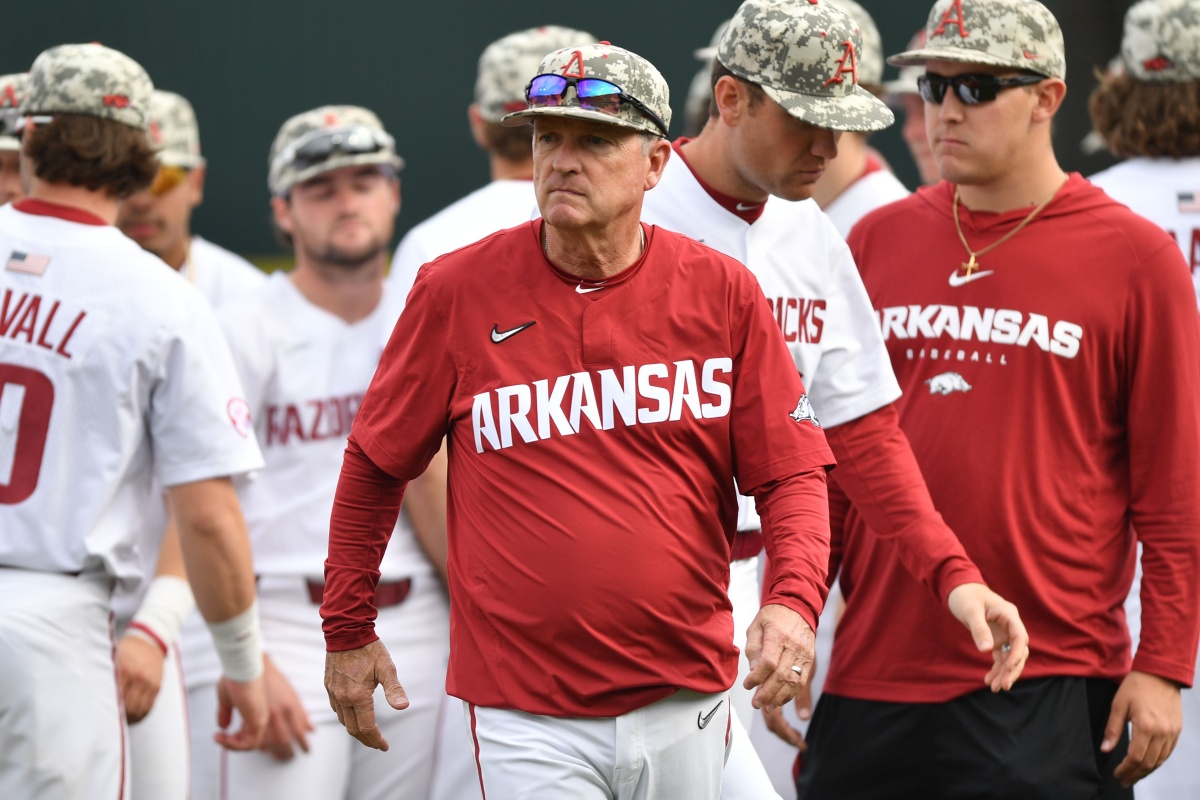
(777, 640)
(140, 664)
(1155, 708)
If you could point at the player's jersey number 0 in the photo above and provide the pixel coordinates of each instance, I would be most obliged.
(26, 397)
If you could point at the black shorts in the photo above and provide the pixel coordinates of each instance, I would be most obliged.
(1040, 741)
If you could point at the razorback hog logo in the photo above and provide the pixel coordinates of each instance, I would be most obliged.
(848, 63)
(958, 20)
(948, 383)
(239, 414)
(116, 100)
(804, 411)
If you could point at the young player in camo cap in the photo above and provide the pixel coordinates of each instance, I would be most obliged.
(785, 86)
(114, 382)
(1148, 112)
(12, 89)
(564, 525)
(1047, 344)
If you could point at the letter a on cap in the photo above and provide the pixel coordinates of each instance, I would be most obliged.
(848, 55)
(959, 21)
(576, 62)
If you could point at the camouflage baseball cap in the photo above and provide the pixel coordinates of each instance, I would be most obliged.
(1021, 34)
(507, 64)
(89, 79)
(173, 130)
(324, 139)
(805, 57)
(906, 78)
(870, 57)
(1162, 41)
(710, 52)
(12, 89)
(639, 80)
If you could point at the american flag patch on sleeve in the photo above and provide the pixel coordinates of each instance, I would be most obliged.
(1189, 202)
(29, 263)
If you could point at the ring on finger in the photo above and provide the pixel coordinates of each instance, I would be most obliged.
(799, 670)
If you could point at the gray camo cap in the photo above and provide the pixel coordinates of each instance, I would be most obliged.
(1162, 41)
(12, 89)
(906, 78)
(89, 79)
(870, 58)
(636, 76)
(804, 55)
(346, 127)
(1020, 34)
(173, 130)
(710, 52)
(507, 64)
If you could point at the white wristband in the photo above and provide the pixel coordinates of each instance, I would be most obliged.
(167, 603)
(238, 646)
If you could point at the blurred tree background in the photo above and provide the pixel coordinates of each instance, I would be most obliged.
(246, 66)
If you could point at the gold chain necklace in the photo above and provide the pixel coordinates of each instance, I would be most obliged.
(973, 263)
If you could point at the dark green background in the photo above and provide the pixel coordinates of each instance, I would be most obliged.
(248, 65)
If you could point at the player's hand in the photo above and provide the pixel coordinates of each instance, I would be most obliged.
(995, 624)
(350, 679)
(288, 721)
(777, 724)
(1155, 708)
(140, 664)
(777, 640)
(250, 700)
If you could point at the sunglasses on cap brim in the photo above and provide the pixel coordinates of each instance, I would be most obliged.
(592, 94)
(971, 89)
(320, 145)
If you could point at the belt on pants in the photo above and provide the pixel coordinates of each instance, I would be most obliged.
(746, 544)
(387, 593)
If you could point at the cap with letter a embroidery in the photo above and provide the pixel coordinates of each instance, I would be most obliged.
(89, 79)
(1162, 41)
(1021, 34)
(324, 139)
(173, 130)
(804, 55)
(870, 57)
(645, 98)
(12, 89)
(507, 64)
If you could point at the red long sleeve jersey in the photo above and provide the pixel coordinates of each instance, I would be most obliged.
(1051, 399)
(595, 431)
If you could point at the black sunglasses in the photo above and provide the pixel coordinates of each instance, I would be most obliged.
(970, 89)
(321, 144)
(548, 90)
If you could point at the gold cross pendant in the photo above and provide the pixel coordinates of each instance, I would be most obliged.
(971, 265)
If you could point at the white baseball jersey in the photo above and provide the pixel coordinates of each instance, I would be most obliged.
(111, 375)
(220, 275)
(499, 205)
(875, 189)
(1165, 191)
(305, 371)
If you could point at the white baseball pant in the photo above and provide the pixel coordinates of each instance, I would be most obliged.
(62, 728)
(158, 743)
(668, 750)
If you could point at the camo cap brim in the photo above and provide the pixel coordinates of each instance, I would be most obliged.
(174, 131)
(805, 57)
(1018, 34)
(636, 76)
(1161, 43)
(282, 174)
(507, 64)
(89, 79)
(12, 90)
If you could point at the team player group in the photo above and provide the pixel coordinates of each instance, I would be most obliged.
(614, 388)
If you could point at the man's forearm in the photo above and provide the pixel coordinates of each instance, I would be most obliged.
(795, 525)
(878, 472)
(215, 547)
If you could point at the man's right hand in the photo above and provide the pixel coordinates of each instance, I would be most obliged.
(289, 721)
(995, 625)
(350, 679)
(250, 700)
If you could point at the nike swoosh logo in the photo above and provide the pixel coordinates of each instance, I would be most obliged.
(703, 721)
(957, 280)
(748, 206)
(498, 337)
(582, 290)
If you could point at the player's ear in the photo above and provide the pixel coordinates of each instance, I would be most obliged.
(659, 152)
(478, 125)
(196, 185)
(281, 212)
(732, 99)
(1050, 94)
